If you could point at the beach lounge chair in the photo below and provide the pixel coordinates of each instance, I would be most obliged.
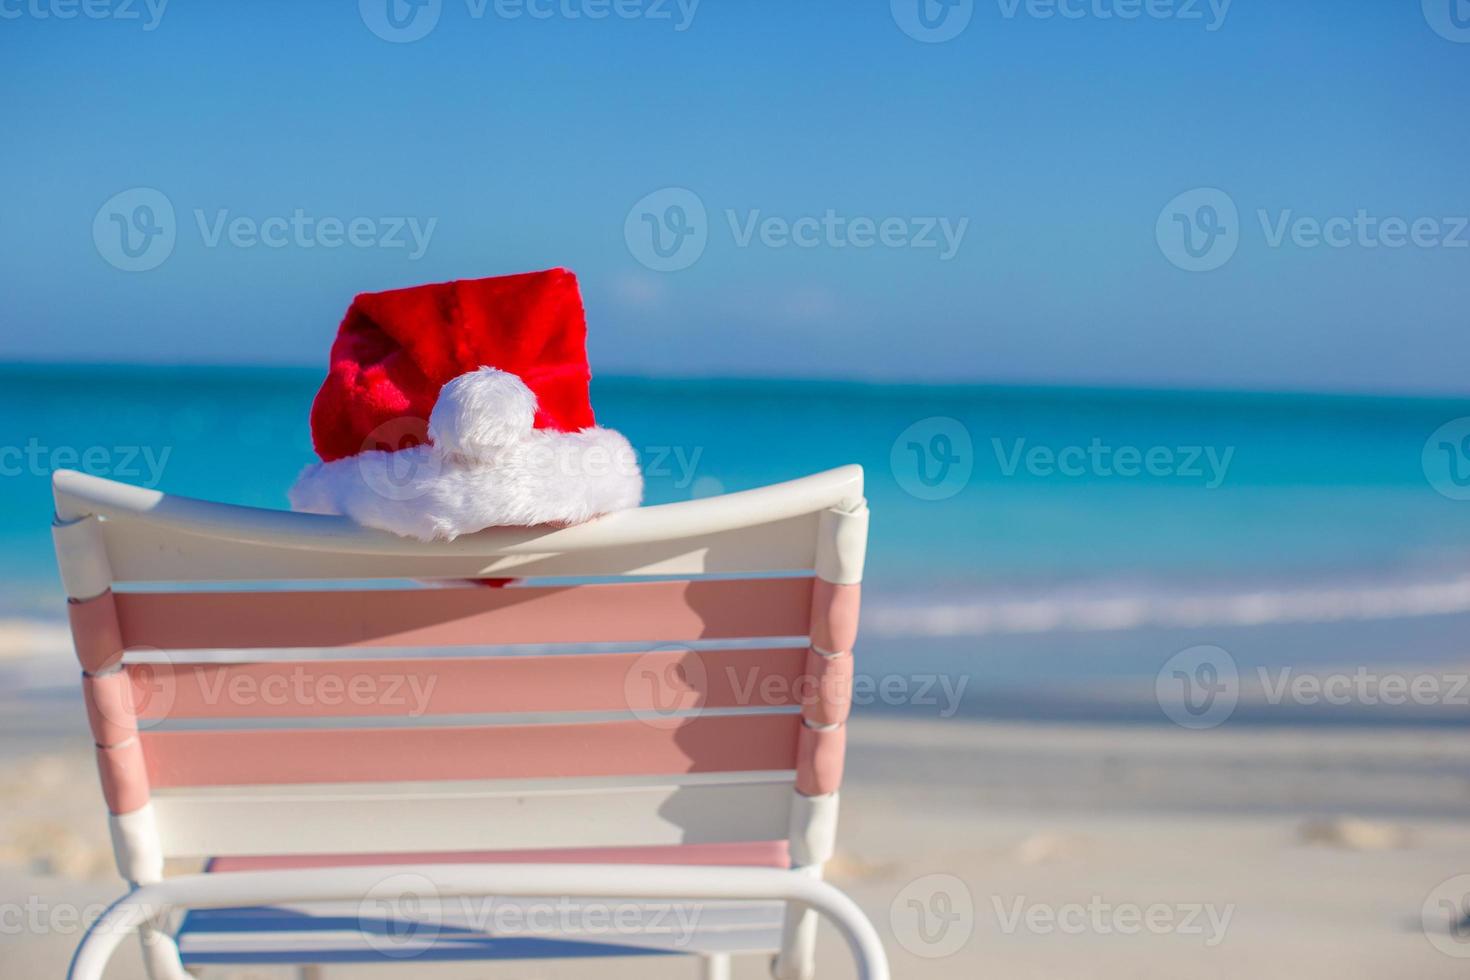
(311, 707)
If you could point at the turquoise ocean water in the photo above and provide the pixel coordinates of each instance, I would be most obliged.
(1051, 545)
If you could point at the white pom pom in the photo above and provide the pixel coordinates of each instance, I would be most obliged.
(480, 412)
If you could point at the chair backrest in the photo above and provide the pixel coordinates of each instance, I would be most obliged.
(677, 674)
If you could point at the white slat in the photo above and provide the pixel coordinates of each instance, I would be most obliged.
(675, 927)
(151, 536)
(140, 551)
(356, 818)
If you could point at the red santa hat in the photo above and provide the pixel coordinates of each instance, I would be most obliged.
(462, 405)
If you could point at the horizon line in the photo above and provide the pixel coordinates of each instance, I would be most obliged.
(1075, 386)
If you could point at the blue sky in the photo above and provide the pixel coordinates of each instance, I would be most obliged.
(1001, 205)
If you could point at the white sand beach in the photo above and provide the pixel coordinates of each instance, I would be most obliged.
(1040, 851)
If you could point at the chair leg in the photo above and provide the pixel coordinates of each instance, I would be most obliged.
(716, 967)
(798, 957)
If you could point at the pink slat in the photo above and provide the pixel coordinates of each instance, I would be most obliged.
(820, 760)
(723, 743)
(826, 694)
(95, 632)
(124, 776)
(110, 707)
(756, 854)
(835, 616)
(621, 612)
(655, 681)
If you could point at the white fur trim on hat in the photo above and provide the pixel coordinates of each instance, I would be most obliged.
(486, 466)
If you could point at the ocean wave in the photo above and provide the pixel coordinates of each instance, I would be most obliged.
(1054, 612)
(1079, 613)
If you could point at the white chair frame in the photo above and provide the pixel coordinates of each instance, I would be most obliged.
(149, 903)
(108, 532)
